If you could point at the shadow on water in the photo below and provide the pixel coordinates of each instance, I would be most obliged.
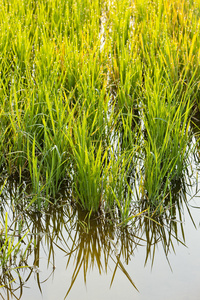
(87, 244)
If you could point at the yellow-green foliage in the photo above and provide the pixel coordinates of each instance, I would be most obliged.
(93, 91)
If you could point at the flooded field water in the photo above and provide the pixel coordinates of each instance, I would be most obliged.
(68, 258)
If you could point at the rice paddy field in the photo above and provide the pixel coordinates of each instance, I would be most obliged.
(99, 115)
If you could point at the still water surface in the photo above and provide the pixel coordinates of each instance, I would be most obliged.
(71, 261)
(157, 282)
(67, 259)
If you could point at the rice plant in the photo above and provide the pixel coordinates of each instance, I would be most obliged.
(95, 96)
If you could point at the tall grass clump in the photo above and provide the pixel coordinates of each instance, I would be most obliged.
(100, 173)
(95, 96)
(166, 136)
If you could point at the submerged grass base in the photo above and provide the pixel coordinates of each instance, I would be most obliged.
(98, 95)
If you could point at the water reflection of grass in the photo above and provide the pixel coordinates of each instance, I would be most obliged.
(91, 243)
(94, 96)
(11, 255)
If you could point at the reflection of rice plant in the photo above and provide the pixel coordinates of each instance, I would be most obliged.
(11, 253)
(96, 246)
(89, 242)
(9, 247)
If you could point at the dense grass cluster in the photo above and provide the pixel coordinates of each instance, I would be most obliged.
(96, 97)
